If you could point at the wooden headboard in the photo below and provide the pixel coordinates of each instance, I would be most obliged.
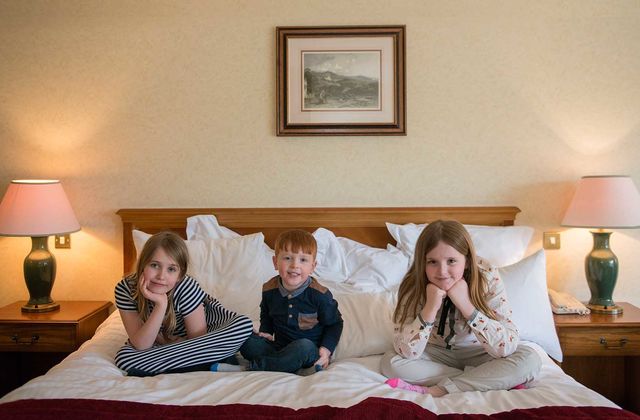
(362, 224)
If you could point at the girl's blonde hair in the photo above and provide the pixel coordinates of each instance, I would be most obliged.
(176, 249)
(412, 294)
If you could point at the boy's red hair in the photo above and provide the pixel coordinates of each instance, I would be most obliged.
(296, 240)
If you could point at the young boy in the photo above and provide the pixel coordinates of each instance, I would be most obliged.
(300, 323)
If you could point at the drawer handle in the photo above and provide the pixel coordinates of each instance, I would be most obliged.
(608, 346)
(34, 339)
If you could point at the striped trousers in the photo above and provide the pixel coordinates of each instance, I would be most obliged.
(220, 342)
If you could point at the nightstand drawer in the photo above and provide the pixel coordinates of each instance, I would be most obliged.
(38, 337)
(596, 341)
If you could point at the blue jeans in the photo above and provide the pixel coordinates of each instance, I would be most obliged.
(267, 355)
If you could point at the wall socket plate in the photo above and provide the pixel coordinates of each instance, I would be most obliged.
(63, 241)
(551, 240)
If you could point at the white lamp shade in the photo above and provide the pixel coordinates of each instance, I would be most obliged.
(36, 208)
(606, 202)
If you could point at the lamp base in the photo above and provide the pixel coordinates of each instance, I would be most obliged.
(608, 310)
(40, 307)
(39, 274)
(601, 269)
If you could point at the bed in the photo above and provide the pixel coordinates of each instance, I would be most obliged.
(362, 253)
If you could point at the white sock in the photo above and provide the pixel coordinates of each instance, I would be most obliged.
(225, 367)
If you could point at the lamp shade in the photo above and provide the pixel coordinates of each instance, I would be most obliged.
(36, 208)
(604, 202)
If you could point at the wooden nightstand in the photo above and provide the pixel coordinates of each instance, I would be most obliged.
(603, 353)
(31, 343)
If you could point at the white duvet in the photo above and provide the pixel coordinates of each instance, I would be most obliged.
(91, 373)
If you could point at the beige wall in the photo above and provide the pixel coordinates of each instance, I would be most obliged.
(172, 104)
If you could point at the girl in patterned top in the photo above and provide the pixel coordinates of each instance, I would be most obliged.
(454, 331)
(172, 324)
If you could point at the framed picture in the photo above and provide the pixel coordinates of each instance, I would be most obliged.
(343, 80)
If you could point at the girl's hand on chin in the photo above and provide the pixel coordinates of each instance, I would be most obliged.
(459, 292)
(434, 292)
(156, 298)
(435, 296)
(459, 295)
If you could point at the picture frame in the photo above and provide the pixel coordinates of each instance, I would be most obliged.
(341, 80)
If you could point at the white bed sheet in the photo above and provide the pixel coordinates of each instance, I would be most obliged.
(91, 373)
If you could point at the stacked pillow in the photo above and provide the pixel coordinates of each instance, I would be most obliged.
(497, 244)
(331, 259)
(339, 260)
(526, 285)
(368, 325)
(364, 268)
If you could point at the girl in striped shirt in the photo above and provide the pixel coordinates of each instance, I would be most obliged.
(172, 324)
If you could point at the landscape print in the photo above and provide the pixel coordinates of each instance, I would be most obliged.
(345, 80)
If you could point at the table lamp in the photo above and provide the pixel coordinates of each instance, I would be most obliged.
(603, 202)
(37, 208)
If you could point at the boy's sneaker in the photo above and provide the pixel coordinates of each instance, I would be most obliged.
(310, 370)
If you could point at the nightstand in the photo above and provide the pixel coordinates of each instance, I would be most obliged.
(603, 353)
(31, 343)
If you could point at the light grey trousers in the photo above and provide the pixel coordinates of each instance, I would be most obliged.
(465, 369)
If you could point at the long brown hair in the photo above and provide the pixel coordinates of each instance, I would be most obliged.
(177, 250)
(412, 294)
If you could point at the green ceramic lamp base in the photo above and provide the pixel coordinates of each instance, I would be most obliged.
(601, 268)
(39, 275)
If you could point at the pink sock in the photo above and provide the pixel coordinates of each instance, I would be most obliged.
(521, 386)
(400, 384)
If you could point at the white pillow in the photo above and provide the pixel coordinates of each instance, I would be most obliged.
(368, 325)
(205, 226)
(231, 270)
(526, 286)
(499, 245)
(374, 268)
(331, 259)
(342, 261)
(331, 266)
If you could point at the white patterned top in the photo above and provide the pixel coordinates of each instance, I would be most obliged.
(498, 337)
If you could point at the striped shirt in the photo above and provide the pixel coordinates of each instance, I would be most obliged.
(187, 297)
